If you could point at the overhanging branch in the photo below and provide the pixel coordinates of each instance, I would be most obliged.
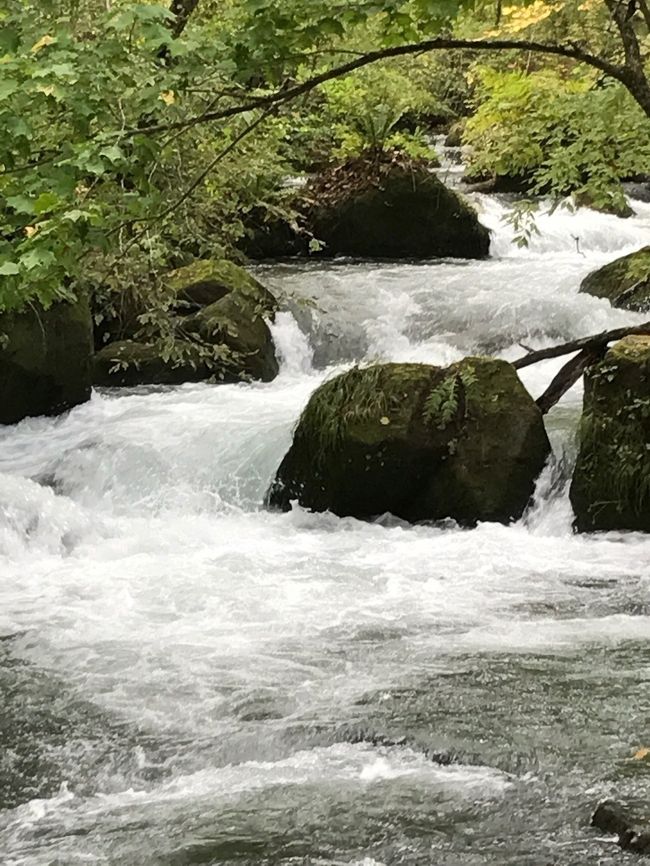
(287, 94)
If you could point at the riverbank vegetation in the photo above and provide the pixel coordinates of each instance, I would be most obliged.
(140, 136)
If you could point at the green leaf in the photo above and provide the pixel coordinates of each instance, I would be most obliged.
(9, 269)
(46, 202)
(7, 87)
(37, 258)
(20, 203)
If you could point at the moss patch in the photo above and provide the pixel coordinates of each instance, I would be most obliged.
(611, 482)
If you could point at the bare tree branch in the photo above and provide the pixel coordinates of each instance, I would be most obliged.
(286, 94)
(568, 376)
(182, 11)
(593, 342)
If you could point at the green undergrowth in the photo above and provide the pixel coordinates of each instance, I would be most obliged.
(614, 434)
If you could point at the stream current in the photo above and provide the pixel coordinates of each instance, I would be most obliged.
(187, 678)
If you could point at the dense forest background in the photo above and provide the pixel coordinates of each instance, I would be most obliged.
(139, 136)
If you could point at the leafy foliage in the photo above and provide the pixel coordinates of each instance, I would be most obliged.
(559, 134)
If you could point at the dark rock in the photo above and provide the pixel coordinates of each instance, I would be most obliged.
(625, 282)
(399, 212)
(271, 238)
(455, 135)
(610, 817)
(45, 360)
(611, 481)
(129, 363)
(228, 340)
(421, 442)
(184, 291)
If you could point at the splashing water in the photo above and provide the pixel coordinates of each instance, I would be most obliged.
(190, 679)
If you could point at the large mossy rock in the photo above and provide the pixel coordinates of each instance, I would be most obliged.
(45, 360)
(611, 481)
(421, 442)
(394, 211)
(625, 282)
(219, 311)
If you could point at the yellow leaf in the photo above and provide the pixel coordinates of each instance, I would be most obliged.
(42, 42)
(168, 97)
(641, 755)
(30, 231)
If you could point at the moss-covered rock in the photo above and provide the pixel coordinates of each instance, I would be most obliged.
(233, 322)
(374, 206)
(128, 363)
(184, 291)
(219, 313)
(45, 360)
(420, 442)
(611, 482)
(207, 281)
(625, 282)
(400, 211)
(454, 137)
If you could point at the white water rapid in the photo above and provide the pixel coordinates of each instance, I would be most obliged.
(188, 678)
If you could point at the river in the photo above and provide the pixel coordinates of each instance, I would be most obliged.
(186, 678)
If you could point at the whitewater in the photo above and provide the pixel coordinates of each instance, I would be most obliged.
(188, 678)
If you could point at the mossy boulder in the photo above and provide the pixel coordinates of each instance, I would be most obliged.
(625, 282)
(611, 481)
(207, 281)
(219, 312)
(421, 442)
(45, 360)
(128, 363)
(183, 291)
(454, 137)
(395, 211)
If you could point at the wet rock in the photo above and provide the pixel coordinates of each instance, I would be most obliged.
(185, 291)
(421, 442)
(625, 282)
(611, 481)
(45, 360)
(220, 314)
(208, 281)
(455, 135)
(394, 210)
(374, 206)
(128, 363)
(610, 817)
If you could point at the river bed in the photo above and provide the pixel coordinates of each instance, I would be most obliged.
(187, 678)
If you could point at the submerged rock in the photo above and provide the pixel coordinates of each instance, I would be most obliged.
(421, 442)
(625, 282)
(219, 312)
(611, 481)
(45, 360)
(611, 817)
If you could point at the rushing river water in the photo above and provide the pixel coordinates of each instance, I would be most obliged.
(187, 678)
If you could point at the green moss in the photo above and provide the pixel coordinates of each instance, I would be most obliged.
(421, 442)
(367, 403)
(611, 483)
(625, 282)
(634, 348)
